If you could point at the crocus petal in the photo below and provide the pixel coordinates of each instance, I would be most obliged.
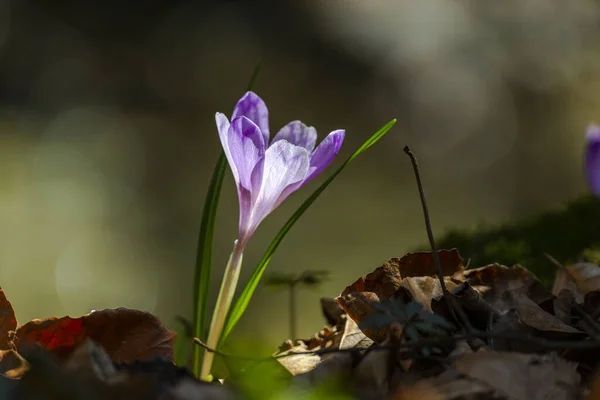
(592, 158)
(284, 164)
(246, 143)
(247, 201)
(299, 134)
(325, 153)
(254, 108)
(223, 128)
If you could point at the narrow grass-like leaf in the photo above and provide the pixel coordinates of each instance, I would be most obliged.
(183, 342)
(203, 256)
(204, 248)
(244, 299)
(179, 351)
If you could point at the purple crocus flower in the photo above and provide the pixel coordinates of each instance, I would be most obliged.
(265, 175)
(592, 158)
(267, 172)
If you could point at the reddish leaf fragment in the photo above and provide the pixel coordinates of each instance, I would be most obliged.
(384, 281)
(52, 333)
(421, 263)
(8, 322)
(125, 334)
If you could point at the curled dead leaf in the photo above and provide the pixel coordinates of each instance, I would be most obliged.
(492, 281)
(125, 334)
(533, 316)
(581, 278)
(359, 305)
(384, 282)
(12, 365)
(422, 263)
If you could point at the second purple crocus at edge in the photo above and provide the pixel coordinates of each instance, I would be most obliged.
(592, 158)
(267, 172)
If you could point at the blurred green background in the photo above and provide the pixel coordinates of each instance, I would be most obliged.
(107, 136)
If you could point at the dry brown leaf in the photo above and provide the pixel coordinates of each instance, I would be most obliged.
(464, 388)
(8, 322)
(12, 365)
(533, 316)
(509, 324)
(126, 335)
(354, 337)
(492, 281)
(407, 278)
(451, 384)
(358, 305)
(522, 376)
(424, 288)
(384, 282)
(580, 278)
(300, 363)
(332, 311)
(479, 312)
(422, 263)
(421, 391)
(330, 338)
(591, 302)
(562, 305)
(374, 372)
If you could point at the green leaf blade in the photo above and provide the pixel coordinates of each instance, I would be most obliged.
(242, 302)
(204, 255)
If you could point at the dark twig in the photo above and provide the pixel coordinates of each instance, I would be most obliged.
(436, 257)
(594, 330)
(454, 309)
(548, 344)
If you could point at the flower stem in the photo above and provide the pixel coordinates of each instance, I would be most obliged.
(228, 285)
(293, 312)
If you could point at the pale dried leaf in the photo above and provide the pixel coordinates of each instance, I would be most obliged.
(423, 288)
(581, 278)
(522, 376)
(353, 337)
(301, 363)
(533, 316)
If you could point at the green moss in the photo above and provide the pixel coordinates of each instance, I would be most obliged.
(569, 234)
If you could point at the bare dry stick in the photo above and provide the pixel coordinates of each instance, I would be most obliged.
(455, 309)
